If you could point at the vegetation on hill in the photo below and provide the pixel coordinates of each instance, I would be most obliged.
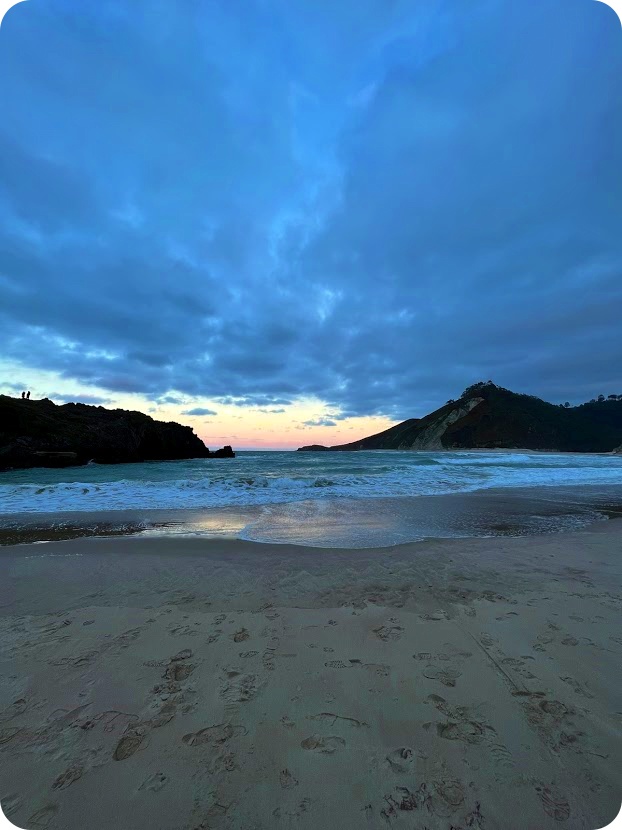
(487, 416)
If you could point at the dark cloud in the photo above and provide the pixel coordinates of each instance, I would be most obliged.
(372, 204)
(320, 422)
(199, 410)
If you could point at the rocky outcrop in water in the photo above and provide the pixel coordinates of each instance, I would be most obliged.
(42, 434)
(487, 416)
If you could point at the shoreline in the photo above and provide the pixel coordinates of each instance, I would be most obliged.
(246, 686)
(484, 512)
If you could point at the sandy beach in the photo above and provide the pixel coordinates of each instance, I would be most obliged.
(185, 684)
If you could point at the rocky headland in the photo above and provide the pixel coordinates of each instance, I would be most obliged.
(41, 434)
(490, 417)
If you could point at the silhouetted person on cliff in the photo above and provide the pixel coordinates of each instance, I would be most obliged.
(23, 395)
(28, 395)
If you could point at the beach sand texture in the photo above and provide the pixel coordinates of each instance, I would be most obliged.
(181, 684)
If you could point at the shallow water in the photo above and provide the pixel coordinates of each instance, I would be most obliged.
(365, 499)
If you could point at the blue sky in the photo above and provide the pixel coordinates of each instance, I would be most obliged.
(345, 211)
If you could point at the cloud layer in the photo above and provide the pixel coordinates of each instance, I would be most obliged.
(370, 203)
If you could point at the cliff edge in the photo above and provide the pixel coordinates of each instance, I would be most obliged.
(41, 434)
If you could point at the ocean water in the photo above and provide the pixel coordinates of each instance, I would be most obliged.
(360, 499)
(263, 478)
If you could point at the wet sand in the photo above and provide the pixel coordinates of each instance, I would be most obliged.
(345, 522)
(186, 684)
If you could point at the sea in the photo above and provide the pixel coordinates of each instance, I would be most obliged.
(358, 499)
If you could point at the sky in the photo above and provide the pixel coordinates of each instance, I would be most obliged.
(291, 222)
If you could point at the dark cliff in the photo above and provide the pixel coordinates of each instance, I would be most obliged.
(42, 434)
(490, 417)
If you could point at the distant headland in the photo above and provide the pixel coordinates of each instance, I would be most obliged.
(487, 416)
(42, 434)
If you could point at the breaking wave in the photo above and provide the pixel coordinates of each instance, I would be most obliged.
(260, 478)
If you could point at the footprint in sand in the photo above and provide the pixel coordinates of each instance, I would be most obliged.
(18, 707)
(435, 616)
(287, 780)
(67, 778)
(178, 671)
(11, 804)
(218, 734)
(183, 631)
(447, 677)
(469, 731)
(241, 635)
(554, 708)
(44, 816)
(155, 782)
(380, 669)
(331, 718)
(577, 687)
(553, 802)
(248, 654)
(327, 746)
(401, 760)
(240, 688)
(335, 664)
(423, 655)
(389, 632)
(8, 734)
(184, 654)
(130, 743)
(223, 763)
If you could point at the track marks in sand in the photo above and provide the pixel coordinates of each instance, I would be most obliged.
(18, 707)
(155, 782)
(467, 731)
(331, 719)
(8, 733)
(240, 688)
(287, 780)
(292, 812)
(444, 798)
(219, 734)
(553, 801)
(130, 743)
(326, 746)
(577, 687)
(116, 644)
(43, 817)
(379, 669)
(241, 635)
(11, 804)
(178, 671)
(167, 697)
(67, 778)
(389, 631)
(463, 727)
(554, 722)
(401, 760)
(447, 676)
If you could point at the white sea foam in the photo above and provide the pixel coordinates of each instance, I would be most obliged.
(255, 478)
